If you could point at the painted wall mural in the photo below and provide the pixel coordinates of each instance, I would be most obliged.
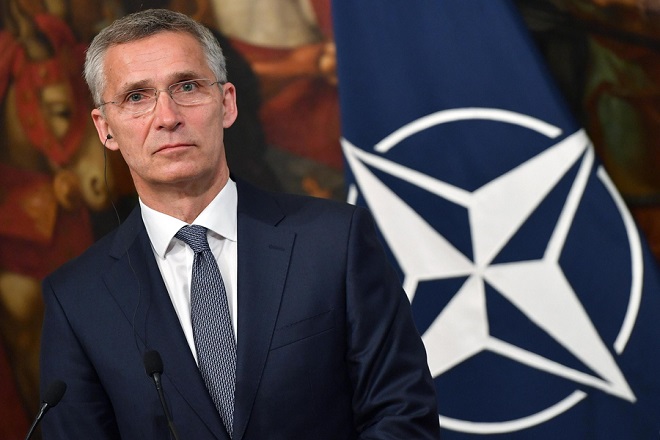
(52, 176)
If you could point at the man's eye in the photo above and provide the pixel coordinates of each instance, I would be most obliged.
(189, 86)
(135, 96)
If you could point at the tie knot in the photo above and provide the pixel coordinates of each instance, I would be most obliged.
(194, 236)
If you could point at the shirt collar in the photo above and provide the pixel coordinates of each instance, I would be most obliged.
(219, 217)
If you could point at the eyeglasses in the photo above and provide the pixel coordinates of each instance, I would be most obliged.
(185, 93)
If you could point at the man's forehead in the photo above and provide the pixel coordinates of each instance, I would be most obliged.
(155, 61)
(156, 46)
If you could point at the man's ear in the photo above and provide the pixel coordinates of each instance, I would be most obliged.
(229, 104)
(103, 130)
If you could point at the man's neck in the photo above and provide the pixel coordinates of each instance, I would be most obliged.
(184, 202)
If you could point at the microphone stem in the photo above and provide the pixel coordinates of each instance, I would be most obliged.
(42, 411)
(163, 403)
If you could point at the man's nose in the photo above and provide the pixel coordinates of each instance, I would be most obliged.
(166, 111)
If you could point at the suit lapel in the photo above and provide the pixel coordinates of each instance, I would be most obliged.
(263, 260)
(145, 303)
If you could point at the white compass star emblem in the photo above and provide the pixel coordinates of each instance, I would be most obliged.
(538, 288)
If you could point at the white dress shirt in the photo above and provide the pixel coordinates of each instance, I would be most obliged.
(175, 258)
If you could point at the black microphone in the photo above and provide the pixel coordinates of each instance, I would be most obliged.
(153, 365)
(52, 397)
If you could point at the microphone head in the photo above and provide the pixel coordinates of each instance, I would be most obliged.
(54, 393)
(153, 363)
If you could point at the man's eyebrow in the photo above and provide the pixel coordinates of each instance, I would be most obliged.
(142, 84)
(173, 78)
(184, 75)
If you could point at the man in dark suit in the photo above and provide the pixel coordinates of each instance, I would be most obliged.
(318, 338)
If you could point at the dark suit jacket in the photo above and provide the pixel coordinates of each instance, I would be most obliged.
(327, 348)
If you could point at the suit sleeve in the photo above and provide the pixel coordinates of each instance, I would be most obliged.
(85, 410)
(394, 395)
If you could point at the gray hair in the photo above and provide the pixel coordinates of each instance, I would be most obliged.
(140, 25)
